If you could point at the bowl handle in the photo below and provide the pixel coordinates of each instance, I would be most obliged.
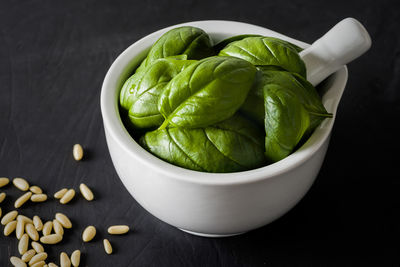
(345, 42)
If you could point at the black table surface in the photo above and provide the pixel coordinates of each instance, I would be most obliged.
(53, 58)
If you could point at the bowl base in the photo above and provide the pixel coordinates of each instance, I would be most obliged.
(210, 235)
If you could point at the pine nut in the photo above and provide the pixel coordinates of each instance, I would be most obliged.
(37, 222)
(4, 181)
(118, 229)
(59, 194)
(2, 196)
(9, 217)
(64, 260)
(38, 197)
(77, 152)
(22, 199)
(47, 228)
(32, 232)
(68, 196)
(76, 258)
(37, 247)
(107, 246)
(39, 264)
(28, 255)
(38, 257)
(58, 229)
(36, 189)
(20, 229)
(17, 262)
(23, 244)
(51, 239)
(52, 265)
(63, 219)
(10, 227)
(24, 218)
(21, 184)
(89, 233)
(86, 192)
(0, 212)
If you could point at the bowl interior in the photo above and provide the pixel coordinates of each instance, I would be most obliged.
(331, 90)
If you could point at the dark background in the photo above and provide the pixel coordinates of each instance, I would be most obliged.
(53, 58)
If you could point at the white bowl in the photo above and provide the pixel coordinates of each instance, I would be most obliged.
(212, 204)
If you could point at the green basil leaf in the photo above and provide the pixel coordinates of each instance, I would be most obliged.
(286, 121)
(233, 145)
(206, 92)
(140, 93)
(293, 109)
(218, 47)
(296, 48)
(266, 51)
(303, 89)
(253, 107)
(190, 41)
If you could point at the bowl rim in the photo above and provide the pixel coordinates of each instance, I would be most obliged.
(114, 127)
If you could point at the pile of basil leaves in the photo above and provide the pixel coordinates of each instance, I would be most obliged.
(239, 105)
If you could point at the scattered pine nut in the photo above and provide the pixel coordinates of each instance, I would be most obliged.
(63, 219)
(107, 246)
(76, 258)
(37, 247)
(59, 194)
(9, 217)
(28, 255)
(2, 196)
(89, 233)
(47, 227)
(38, 197)
(10, 227)
(4, 181)
(58, 229)
(64, 260)
(67, 196)
(20, 229)
(22, 199)
(39, 264)
(32, 232)
(21, 184)
(86, 192)
(118, 229)
(37, 222)
(23, 244)
(38, 257)
(27, 228)
(77, 152)
(36, 189)
(17, 262)
(51, 239)
(24, 218)
(0, 212)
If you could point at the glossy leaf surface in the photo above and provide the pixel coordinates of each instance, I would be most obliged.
(293, 110)
(190, 41)
(263, 51)
(140, 93)
(206, 92)
(253, 107)
(221, 45)
(232, 145)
